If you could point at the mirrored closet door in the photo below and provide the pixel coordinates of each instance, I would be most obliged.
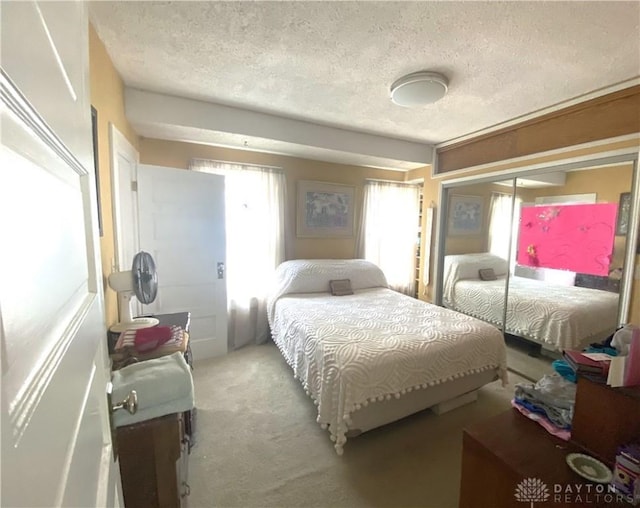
(477, 248)
(544, 256)
(569, 256)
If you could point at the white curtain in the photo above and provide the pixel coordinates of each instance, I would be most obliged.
(255, 225)
(389, 231)
(500, 226)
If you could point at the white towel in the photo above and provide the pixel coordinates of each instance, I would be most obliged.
(164, 385)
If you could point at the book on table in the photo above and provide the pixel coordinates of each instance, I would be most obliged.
(588, 363)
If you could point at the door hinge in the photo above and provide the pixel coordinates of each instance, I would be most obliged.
(134, 186)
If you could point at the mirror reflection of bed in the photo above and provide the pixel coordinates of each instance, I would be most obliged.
(541, 257)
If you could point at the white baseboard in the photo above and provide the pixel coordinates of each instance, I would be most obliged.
(208, 348)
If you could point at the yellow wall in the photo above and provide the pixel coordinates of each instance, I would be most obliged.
(178, 154)
(417, 174)
(107, 96)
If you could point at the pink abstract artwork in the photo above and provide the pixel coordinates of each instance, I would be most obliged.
(578, 238)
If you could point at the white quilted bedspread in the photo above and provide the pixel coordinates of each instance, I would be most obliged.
(565, 317)
(349, 351)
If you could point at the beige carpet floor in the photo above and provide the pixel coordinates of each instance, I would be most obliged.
(258, 444)
(520, 361)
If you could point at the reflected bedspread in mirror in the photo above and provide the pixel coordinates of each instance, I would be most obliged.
(560, 316)
(562, 292)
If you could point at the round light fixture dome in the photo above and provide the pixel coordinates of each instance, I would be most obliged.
(418, 89)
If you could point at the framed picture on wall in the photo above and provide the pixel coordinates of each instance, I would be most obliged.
(624, 214)
(324, 210)
(465, 215)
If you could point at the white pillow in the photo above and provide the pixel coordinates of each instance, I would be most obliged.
(313, 275)
(465, 266)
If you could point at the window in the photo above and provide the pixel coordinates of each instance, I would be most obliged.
(389, 231)
(500, 225)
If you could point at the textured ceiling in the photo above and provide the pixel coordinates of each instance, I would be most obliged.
(332, 62)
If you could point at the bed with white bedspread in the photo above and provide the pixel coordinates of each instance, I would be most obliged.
(357, 352)
(558, 316)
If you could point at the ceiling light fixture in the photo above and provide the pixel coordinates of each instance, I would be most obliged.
(418, 89)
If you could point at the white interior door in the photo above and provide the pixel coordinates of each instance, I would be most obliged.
(124, 163)
(56, 442)
(182, 225)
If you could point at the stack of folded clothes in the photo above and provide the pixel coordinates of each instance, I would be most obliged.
(549, 402)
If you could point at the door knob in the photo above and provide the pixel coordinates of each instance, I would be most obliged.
(130, 403)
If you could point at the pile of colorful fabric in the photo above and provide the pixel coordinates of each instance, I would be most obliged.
(549, 402)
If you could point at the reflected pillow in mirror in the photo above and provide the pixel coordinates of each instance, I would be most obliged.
(487, 274)
(340, 287)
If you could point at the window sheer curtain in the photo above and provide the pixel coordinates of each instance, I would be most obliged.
(500, 225)
(255, 226)
(389, 231)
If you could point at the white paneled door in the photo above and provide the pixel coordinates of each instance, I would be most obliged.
(56, 440)
(124, 163)
(182, 225)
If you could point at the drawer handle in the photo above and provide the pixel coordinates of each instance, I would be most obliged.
(186, 489)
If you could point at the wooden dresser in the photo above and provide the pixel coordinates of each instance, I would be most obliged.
(154, 454)
(605, 418)
(154, 459)
(501, 452)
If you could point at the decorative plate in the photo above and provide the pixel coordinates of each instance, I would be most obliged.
(589, 468)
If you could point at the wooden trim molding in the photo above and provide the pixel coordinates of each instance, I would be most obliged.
(609, 116)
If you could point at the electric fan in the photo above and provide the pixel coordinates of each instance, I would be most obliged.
(141, 280)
